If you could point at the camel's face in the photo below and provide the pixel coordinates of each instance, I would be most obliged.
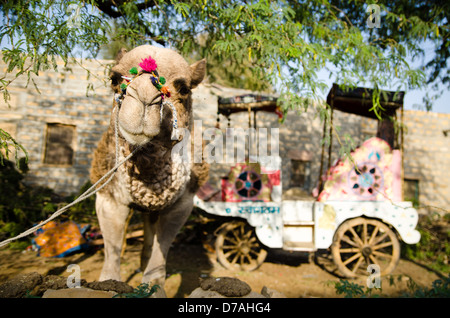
(139, 115)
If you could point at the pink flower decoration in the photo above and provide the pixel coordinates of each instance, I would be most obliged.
(148, 64)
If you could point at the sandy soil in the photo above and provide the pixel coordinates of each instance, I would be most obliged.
(296, 275)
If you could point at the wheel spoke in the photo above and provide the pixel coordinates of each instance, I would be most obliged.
(347, 240)
(253, 242)
(254, 252)
(236, 235)
(358, 262)
(349, 250)
(351, 259)
(380, 254)
(229, 255)
(230, 247)
(380, 239)
(250, 260)
(231, 240)
(373, 259)
(247, 236)
(376, 247)
(254, 246)
(241, 259)
(364, 233)
(356, 236)
(374, 234)
(234, 260)
(242, 230)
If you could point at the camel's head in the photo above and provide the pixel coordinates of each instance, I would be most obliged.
(140, 111)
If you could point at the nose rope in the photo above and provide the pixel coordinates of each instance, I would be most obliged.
(175, 132)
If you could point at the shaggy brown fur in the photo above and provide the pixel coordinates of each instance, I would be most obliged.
(154, 180)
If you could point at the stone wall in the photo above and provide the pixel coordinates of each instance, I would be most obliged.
(64, 99)
(427, 157)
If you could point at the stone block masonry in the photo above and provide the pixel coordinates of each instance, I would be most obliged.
(427, 158)
(77, 97)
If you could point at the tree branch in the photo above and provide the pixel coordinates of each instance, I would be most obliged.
(112, 9)
(107, 8)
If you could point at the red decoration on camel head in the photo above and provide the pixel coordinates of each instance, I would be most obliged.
(148, 64)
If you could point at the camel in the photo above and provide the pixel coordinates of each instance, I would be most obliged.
(155, 181)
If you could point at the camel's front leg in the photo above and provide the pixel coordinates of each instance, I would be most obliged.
(112, 217)
(160, 232)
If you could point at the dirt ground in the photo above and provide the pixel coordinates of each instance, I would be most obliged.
(295, 275)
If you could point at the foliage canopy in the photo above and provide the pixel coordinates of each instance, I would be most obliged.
(280, 41)
(254, 44)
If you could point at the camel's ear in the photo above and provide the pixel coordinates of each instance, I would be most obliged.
(120, 54)
(198, 70)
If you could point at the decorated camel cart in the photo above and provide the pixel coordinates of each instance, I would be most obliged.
(358, 214)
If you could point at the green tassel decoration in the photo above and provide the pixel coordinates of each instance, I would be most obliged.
(123, 86)
(162, 80)
(133, 71)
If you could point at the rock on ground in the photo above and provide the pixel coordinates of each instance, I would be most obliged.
(20, 285)
(111, 285)
(52, 286)
(226, 286)
(81, 292)
(223, 287)
(34, 284)
(201, 293)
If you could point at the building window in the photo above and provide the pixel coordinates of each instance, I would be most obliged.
(300, 168)
(300, 174)
(411, 191)
(59, 145)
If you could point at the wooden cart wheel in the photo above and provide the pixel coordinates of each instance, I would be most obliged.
(360, 242)
(238, 248)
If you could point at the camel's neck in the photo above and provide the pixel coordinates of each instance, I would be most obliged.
(152, 176)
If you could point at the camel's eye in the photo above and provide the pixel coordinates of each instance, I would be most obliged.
(115, 78)
(181, 86)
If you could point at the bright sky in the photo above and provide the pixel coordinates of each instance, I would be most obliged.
(413, 99)
(442, 105)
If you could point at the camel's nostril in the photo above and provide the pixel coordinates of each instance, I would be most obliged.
(152, 120)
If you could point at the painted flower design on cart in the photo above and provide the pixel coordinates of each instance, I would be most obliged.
(366, 180)
(248, 184)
